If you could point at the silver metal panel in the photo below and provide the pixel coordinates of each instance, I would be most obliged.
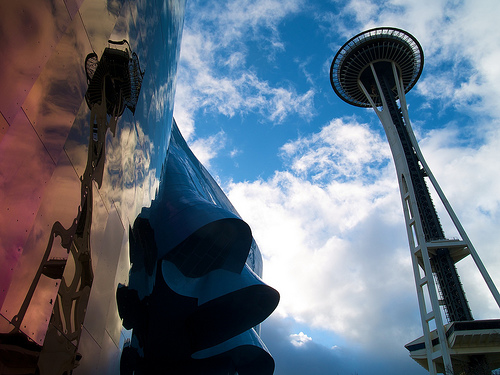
(99, 18)
(145, 24)
(123, 24)
(119, 170)
(114, 323)
(77, 142)
(99, 220)
(89, 364)
(103, 287)
(109, 359)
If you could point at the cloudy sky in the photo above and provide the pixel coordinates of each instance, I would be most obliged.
(314, 177)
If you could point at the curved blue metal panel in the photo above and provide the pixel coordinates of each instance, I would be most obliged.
(188, 252)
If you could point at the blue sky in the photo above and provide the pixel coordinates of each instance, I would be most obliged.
(314, 177)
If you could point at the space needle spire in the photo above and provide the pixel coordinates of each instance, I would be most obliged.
(376, 68)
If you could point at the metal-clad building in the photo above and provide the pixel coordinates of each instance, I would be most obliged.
(119, 252)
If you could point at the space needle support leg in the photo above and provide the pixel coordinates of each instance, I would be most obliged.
(445, 353)
(479, 264)
(389, 126)
(409, 217)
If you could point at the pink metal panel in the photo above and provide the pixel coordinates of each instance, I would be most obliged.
(58, 92)
(73, 6)
(60, 203)
(29, 33)
(26, 169)
(29, 149)
(4, 126)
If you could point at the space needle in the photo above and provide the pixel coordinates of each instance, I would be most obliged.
(376, 68)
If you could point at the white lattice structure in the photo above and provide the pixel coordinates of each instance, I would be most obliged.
(375, 69)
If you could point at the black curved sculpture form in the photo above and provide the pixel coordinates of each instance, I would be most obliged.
(194, 295)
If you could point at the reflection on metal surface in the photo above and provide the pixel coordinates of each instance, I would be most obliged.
(68, 191)
(114, 83)
(190, 280)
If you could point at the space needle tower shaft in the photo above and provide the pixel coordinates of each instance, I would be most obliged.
(375, 69)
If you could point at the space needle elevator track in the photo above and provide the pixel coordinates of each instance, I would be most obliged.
(456, 305)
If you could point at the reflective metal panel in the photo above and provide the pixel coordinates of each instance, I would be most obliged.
(4, 126)
(25, 172)
(109, 359)
(73, 6)
(114, 323)
(29, 33)
(99, 18)
(99, 219)
(92, 351)
(85, 138)
(104, 277)
(56, 96)
(77, 142)
(192, 298)
(30, 302)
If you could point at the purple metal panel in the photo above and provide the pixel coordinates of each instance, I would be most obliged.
(4, 126)
(25, 170)
(30, 149)
(73, 6)
(57, 94)
(29, 33)
(59, 203)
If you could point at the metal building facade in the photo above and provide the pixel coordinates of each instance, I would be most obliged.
(86, 102)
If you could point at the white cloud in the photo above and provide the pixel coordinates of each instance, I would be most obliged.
(330, 223)
(337, 250)
(324, 246)
(207, 148)
(299, 339)
(235, 152)
(341, 150)
(214, 75)
(470, 177)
